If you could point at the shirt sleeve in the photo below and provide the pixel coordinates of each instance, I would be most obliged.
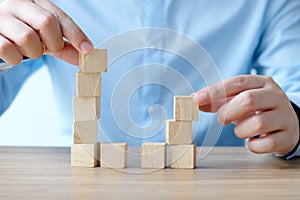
(278, 53)
(12, 80)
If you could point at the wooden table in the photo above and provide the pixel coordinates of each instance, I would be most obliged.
(226, 173)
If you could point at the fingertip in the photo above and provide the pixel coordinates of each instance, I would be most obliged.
(200, 98)
(253, 146)
(86, 47)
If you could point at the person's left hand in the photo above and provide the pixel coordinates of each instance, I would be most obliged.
(257, 106)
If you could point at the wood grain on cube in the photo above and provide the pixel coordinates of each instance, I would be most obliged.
(114, 155)
(86, 109)
(94, 62)
(85, 132)
(88, 85)
(178, 132)
(154, 155)
(183, 156)
(85, 155)
(185, 109)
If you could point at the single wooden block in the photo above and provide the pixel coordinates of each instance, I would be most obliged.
(178, 132)
(86, 109)
(85, 155)
(94, 62)
(185, 109)
(114, 155)
(183, 156)
(85, 132)
(88, 85)
(154, 155)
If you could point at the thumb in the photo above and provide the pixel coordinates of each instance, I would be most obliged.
(68, 54)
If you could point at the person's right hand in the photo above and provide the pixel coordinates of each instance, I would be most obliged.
(32, 28)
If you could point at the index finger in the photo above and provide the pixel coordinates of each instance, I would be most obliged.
(69, 28)
(228, 88)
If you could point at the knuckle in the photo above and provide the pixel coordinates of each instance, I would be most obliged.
(269, 79)
(77, 35)
(27, 37)
(61, 16)
(247, 100)
(57, 47)
(47, 20)
(216, 92)
(258, 124)
(281, 94)
(213, 90)
(5, 47)
(239, 82)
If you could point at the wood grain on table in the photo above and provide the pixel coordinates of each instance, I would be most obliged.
(226, 173)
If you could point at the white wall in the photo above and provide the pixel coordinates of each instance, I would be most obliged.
(31, 121)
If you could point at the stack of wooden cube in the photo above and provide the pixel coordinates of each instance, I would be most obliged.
(179, 133)
(86, 107)
(178, 136)
(86, 150)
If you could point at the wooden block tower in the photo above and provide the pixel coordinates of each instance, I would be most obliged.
(178, 136)
(86, 107)
(85, 150)
(179, 133)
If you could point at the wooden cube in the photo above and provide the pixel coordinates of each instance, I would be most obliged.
(114, 155)
(185, 109)
(85, 132)
(88, 85)
(178, 132)
(183, 156)
(94, 62)
(154, 155)
(86, 109)
(85, 155)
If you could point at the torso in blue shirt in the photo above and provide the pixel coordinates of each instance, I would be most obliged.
(230, 31)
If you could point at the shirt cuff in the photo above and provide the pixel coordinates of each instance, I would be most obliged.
(295, 154)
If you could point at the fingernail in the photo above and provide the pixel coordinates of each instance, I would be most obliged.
(199, 98)
(85, 47)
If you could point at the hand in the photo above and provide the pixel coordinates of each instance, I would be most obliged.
(34, 27)
(257, 106)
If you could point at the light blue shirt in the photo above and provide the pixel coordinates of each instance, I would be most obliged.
(237, 35)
